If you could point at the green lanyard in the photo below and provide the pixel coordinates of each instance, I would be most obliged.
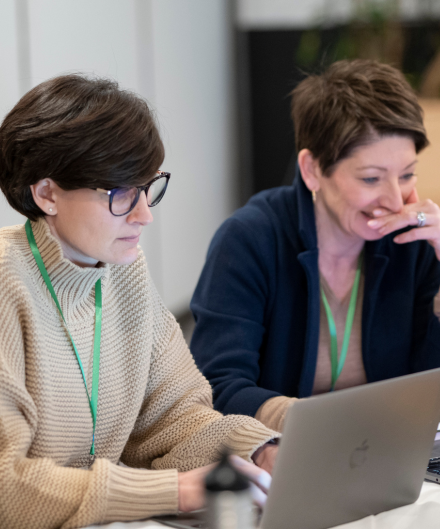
(93, 401)
(337, 365)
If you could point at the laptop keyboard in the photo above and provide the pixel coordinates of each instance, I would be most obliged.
(433, 470)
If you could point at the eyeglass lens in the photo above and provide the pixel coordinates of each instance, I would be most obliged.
(124, 198)
(156, 191)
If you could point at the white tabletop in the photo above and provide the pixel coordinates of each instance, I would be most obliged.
(127, 525)
(425, 513)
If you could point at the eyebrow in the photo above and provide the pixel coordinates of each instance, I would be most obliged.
(384, 168)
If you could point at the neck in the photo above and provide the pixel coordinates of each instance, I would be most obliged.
(338, 252)
(334, 244)
(70, 252)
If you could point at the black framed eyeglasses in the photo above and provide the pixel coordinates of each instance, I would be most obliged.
(122, 200)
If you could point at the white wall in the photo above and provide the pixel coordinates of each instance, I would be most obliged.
(279, 14)
(261, 14)
(176, 54)
(9, 79)
(194, 103)
(9, 84)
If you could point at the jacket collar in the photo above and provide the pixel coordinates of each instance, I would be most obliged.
(305, 211)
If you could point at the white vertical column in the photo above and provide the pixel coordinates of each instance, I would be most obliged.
(193, 77)
(23, 45)
(146, 87)
(9, 64)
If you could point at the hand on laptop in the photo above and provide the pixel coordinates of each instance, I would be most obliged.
(191, 484)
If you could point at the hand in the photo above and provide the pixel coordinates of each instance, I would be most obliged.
(191, 488)
(191, 484)
(386, 223)
(265, 457)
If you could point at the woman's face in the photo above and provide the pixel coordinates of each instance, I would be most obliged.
(86, 229)
(378, 175)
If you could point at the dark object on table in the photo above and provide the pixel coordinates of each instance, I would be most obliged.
(228, 497)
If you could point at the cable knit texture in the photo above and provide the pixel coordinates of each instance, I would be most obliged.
(154, 407)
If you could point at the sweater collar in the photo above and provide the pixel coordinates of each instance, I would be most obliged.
(74, 285)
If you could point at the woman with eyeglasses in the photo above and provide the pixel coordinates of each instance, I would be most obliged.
(328, 283)
(94, 370)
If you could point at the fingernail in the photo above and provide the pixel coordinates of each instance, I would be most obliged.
(373, 223)
(377, 212)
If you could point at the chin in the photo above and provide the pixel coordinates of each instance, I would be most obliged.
(371, 235)
(127, 258)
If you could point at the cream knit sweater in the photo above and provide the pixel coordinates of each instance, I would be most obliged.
(154, 407)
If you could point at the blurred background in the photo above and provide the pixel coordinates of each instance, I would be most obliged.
(218, 74)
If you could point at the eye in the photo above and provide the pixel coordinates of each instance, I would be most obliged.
(370, 180)
(407, 176)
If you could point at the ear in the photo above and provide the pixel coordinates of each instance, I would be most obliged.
(44, 195)
(310, 170)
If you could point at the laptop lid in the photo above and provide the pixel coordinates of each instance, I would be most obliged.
(354, 452)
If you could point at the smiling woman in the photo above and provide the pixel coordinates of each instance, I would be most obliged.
(94, 369)
(306, 289)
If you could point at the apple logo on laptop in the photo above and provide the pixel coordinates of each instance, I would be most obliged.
(359, 455)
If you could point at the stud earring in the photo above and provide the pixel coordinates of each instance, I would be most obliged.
(50, 209)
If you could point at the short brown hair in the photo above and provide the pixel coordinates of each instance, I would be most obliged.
(351, 103)
(82, 133)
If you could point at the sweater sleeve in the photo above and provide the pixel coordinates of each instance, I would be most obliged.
(273, 412)
(230, 306)
(188, 433)
(38, 492)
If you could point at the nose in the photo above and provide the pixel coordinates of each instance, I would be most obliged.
(141, 213)
(392, 198)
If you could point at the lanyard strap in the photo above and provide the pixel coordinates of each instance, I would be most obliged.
(93, 400)
(338, 364)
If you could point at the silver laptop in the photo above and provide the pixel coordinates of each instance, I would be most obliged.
(352, 453)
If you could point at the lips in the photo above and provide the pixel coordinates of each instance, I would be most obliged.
(132, 238)
(368, 215)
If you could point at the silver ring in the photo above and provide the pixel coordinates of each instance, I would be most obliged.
(421, 219)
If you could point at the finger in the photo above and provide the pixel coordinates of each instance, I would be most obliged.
(430, 233)
(395, 222)
(402, 220)
(258, 496)
(257, 475)
(379, 212)
(413, 197)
